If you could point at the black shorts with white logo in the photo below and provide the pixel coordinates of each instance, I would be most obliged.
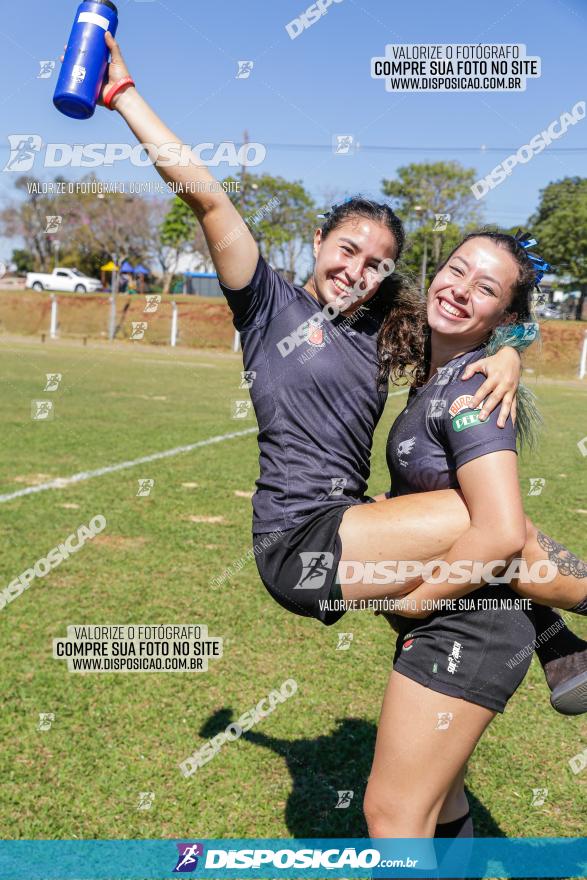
(300, 568)
(480, 655)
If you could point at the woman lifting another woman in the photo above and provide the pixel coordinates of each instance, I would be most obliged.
(322, 355)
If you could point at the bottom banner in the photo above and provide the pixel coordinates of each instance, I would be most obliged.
(289, 858)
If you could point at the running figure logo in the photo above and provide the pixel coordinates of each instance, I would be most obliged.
(145, 801)
(241, 409)
(442, 221)
(153, 301)
(537, 484)
(188, 857)
(338, 484)
(530, 332)
(53, 380)
(436, 408)
(444, 375)
(145, 486)
(46, 719)
(247, 378)
(342, 144)
(444, 719)
(41, 410)
(315, 567)
(244, 69)
(53, 223)
(47, 68)
(344, 800)
(539, 796)
(23, 151)
(138, 329)
(344, 641)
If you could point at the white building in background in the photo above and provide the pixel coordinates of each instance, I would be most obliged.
(186, 262)
(198, 274)
(193, 263)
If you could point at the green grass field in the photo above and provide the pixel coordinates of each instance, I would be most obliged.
(116, 735)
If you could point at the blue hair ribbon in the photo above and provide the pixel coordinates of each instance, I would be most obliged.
(525, 240)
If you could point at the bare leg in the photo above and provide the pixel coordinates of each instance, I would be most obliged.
(424, 526)
(417, 767)
(455, 803)
(417, 527)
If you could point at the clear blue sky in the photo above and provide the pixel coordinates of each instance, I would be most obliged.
(183, 55)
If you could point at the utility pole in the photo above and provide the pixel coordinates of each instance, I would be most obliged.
(243, 176)
(113, 292)
(245, 142)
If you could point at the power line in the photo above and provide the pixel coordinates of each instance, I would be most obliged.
(373, 148)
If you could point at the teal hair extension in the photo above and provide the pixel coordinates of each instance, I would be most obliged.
(520, 336)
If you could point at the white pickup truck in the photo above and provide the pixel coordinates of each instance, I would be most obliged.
(63, 279)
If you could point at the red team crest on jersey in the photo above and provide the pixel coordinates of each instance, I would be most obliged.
(315, 333)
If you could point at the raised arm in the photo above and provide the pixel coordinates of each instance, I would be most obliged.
(176, 164)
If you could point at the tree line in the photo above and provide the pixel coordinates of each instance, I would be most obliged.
(433, 199)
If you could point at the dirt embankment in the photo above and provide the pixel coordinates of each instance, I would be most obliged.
(202, 322)
(207, 323)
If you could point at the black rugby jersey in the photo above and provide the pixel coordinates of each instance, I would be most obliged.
(438, 432)
(315, 394)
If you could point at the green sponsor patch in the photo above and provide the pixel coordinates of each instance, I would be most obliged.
(466, 420)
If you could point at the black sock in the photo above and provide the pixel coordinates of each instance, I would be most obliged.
(462, 827)
(553, 636)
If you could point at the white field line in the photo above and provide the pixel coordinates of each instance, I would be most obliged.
(60, 483)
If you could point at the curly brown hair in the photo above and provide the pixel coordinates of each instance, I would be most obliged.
(403, 338)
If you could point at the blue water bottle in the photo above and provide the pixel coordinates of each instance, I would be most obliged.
(86, 58)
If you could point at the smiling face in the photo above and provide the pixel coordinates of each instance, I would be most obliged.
(347, 261)
(470, 294)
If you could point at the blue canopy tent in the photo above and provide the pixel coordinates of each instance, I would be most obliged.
(201, 283)
(127, 269)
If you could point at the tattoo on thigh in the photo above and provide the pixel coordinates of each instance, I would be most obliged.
(566, 562)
